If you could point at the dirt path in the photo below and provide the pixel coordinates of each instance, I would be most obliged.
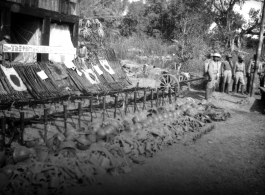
(228, 160)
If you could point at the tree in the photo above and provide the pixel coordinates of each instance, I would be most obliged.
(228, 21)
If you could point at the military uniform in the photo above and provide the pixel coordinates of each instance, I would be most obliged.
(213, 73)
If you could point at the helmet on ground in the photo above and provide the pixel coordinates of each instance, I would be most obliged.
(217, 55)
(7, 37)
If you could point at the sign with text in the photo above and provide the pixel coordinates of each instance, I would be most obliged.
(18, 48)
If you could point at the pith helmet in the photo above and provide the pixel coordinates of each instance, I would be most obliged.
(7, 37)
(241, 57)
(217, 55)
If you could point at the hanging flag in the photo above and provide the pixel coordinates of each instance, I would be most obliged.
(13, 78)
(69, 64)
(91, 76)
(97, 69)
(42, 75)
(106, 66)
(78, 72)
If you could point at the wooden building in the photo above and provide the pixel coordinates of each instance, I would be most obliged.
(42, 12)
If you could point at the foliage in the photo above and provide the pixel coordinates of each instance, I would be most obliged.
(175, 27)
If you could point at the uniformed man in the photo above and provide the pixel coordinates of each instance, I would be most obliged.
(227, 73)
(239, 72)
(206, 64)
(8, 56)
(214, 74)
(251, 70)
(82, 52)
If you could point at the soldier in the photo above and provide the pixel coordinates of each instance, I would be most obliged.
(239, 72)
(214, 73)
(206, 64)
(8, 57)
(227, 73)
(251, 70)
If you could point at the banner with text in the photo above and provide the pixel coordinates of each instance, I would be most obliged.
(18, 48)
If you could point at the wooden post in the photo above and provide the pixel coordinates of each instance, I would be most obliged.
(115, 105)
(65, 117)
(75, 34)
(152, 98)
(45, 39)
(6, 22)
(79, 114)
(144, 102)
(163, 97)
(175, 93)
(134, 102)
(91, 108)
(104, 107)
(261, 37)
(22, 124)
(126, 103)
(2, 134)
(45, 124)
(157, 97)
(169, 95)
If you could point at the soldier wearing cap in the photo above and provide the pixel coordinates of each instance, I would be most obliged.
(227, 73)
(239, 72)
(214, 74)
(8, 57)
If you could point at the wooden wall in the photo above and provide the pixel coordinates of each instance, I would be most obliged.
(69, 7)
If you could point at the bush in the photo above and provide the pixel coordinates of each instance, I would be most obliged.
(155, 52)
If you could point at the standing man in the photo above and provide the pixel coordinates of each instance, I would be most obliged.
(206, 64)
(227, 73)
(214, 74)
(8, 56)
(239, 72)
(251, 70)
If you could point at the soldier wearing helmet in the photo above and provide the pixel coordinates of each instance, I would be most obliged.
(239, 72)
(214, 74)
(227, 73)
(8, 57)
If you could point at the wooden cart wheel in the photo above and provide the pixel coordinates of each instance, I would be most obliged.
(168, 80)
(184, 78)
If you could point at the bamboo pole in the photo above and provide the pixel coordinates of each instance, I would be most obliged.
(22, 125)
(104, 107)
(79, 114)
(115, 105)
(2, 134)
(252, 89)
(152, 98)
(46, 124)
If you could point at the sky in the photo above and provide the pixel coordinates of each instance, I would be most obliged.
(246, 8)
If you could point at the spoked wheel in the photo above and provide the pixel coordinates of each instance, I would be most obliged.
(184, 85)
(169, 81)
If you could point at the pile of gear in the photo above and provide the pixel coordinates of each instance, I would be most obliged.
(111, 146)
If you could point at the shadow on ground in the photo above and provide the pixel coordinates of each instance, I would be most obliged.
(258, 106)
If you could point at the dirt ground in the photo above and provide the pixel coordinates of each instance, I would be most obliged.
(228, 160)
